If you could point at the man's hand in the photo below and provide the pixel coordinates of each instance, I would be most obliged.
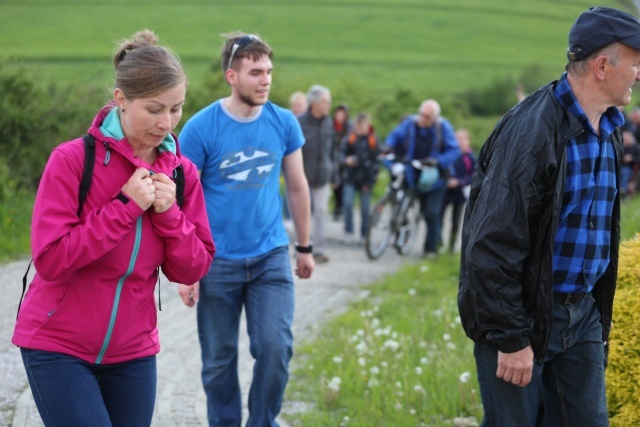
(516, 368)
(304, 265)
(189, 294)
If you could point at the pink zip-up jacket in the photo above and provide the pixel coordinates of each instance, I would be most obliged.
(93, 293)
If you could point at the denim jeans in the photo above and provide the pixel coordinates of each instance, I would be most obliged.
(431, 208)
(71, 392)
(626, 173)
(567, 389)
(319, 209)
(348, 197)
(264, 286)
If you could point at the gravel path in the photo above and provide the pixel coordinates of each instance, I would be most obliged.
(180, 399)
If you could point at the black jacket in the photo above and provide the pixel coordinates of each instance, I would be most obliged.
(505, 296)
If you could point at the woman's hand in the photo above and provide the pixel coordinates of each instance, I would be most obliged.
(140, 188)
(165, 192)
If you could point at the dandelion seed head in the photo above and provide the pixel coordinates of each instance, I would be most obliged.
(446, 337)
(398, 384)
(412, 411)
(457, 320)
(412, 292)
(392, 345)
(361, 347)
(424, 360)
(465, 377)
(418, 370)
(362, 361)
(334, 384)
(382, 332)
(375, 322)
(337, 359)
(438, 312)
(424, 268)
(360, 332)
(373, 382)
(398, 406)
(374, 370)
(384, 364)
(451, 346)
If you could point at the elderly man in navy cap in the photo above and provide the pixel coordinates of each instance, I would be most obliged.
(541, 235)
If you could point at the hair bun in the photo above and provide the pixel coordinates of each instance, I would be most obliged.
(142, 38)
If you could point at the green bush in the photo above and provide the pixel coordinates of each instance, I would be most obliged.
(623, 372)
(35, 117)
(16, 206)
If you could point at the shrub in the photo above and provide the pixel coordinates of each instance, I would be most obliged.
(623, 372)
(35, 117)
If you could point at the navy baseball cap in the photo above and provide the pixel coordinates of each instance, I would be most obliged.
(598, 27)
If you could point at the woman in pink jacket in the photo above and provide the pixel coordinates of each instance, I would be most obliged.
(87, 327)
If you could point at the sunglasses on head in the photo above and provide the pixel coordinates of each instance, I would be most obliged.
(239, 44)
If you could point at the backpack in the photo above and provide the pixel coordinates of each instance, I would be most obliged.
(85, 184)
(371, 138)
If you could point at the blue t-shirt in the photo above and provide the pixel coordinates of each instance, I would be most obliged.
(240, 161)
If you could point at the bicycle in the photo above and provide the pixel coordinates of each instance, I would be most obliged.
(396, 215)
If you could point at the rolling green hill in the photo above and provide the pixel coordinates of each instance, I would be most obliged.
(430, 46)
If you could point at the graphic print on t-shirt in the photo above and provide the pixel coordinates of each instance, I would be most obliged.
(248, 168)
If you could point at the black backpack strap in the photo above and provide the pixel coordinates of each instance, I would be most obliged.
(87, 173)
(24, 286)
(178, 178)
(85, 184)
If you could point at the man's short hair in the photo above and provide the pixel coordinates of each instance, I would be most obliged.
(255, 49)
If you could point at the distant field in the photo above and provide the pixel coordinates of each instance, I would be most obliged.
(433, 46)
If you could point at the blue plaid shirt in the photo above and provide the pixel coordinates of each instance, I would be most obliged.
(582, 242)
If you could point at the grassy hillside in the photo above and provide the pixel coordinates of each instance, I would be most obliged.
(433, 46)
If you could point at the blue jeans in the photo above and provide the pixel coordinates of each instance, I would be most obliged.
(626, 173)
(567, 389)
(348, 197)
(71, 392)
(431, 208)
(264, 286)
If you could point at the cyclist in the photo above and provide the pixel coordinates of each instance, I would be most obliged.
(430, 138)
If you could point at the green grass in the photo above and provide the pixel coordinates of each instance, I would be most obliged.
(397, 358)
(430, 46)
(15, 225)
(630, 218)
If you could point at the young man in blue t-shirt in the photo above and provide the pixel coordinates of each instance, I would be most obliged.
(240, 144)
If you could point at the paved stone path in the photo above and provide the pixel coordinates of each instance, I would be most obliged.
(180, 399)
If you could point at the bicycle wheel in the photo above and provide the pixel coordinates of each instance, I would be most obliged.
(408, 230)
(380, 228)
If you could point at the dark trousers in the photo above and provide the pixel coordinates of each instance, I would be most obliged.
(456, 215)
(431, 207)
(71, 392)
(337, 200)
(566, 390)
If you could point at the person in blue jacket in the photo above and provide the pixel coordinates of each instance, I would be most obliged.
(430, 138)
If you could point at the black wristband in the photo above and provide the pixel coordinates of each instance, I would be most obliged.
(304, 249)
